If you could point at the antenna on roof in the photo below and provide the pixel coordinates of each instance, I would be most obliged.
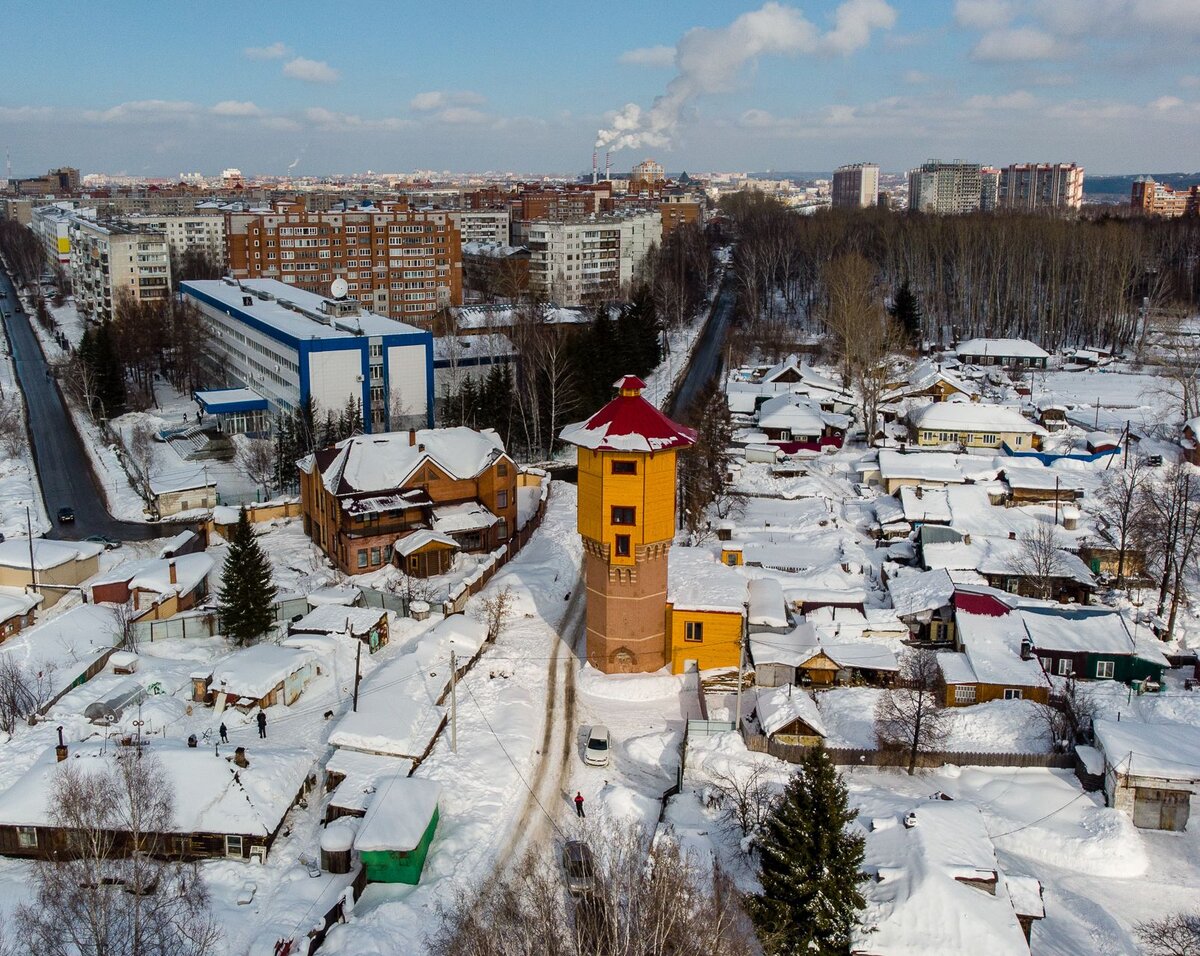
(338, 288)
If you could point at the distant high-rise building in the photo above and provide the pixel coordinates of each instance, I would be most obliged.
(57, 182)
(647, 176)
(1041, 186)
(590, 259)
(232, 177)
(989, 188)
(945, 188)
(856, 186)
(1153, 198)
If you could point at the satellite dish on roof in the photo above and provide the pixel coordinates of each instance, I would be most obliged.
(339, 288)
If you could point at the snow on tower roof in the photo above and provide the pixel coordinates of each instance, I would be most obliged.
(629, 423)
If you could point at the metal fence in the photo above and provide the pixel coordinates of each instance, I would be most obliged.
(385, 600)
(856, 757)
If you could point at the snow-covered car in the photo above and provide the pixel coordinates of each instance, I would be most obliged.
(595, 754)
(578, 867)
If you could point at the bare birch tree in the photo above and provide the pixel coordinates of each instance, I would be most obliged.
(910, 718)
(1038, 559)
(256, 459)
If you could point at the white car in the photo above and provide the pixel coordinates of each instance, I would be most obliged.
(596, 752)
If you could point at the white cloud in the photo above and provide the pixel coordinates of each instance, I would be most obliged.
(236, 108)
(143, 112)
(661, 55)
(311, 71)
(273, 51)
(1017, 43)
(1189, 82)
(331, 120)
(916, 77)
(462, 116)
(432, 100)
(1016, 100)
(1166, 103)
(853, 22)
(982, 14)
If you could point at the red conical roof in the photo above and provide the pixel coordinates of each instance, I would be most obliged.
(629, 423)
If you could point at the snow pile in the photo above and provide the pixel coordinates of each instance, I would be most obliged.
(628, 687)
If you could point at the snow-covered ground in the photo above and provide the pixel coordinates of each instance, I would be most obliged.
(18, 476)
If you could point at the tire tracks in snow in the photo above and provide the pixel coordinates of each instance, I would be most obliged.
(545, 779)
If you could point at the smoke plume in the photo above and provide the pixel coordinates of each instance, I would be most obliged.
(711, 60)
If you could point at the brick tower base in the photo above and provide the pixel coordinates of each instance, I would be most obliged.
(627, 612)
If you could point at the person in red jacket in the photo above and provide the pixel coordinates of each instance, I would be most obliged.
(578, 804)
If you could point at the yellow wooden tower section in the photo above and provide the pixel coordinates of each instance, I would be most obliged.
(626, 455)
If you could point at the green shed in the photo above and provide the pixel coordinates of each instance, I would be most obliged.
(398, 828)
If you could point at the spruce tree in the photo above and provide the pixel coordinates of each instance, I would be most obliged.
(906, 310)
(247, 592)
(109, 373)
(811, 866)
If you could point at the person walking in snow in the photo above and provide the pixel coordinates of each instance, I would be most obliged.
(579, 804)
(224, 734)
(262, 724)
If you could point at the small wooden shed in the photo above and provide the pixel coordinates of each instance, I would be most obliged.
(394, 838)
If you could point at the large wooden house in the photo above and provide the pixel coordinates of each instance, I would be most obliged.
(362, 497)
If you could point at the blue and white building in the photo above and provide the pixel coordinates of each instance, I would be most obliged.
(287, 345)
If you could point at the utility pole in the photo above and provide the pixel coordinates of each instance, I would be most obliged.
(32, 564)
(453, 703)
(1056, 481)
(1126, 443)
(357, 675)
(741, 666)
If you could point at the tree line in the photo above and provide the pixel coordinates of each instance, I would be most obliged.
(1058, 281)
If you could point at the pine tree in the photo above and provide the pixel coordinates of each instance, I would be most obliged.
(109, 373)
(811, 866)
(906, 310)
(247, 593)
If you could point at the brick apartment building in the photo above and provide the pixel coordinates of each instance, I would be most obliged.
(398, 262)
(412, 498)
(1152, 198)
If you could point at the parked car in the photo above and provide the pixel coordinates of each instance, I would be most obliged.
(66, 515)
(110, 544)
(578, 867)
(596, 752)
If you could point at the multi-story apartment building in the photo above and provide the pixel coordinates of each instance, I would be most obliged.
(397, 262)
(855, 186)
(1041, 186)
(588, 260)
(989, 189)
(1151, 198)
(290, 346)
(482, 225)
(647, 176)
(57, 182)
(205, 231)
(112, 260)
(52, 225)
(945, 188)
(410, 498)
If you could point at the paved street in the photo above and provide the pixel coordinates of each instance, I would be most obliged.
(62, 464)
(706, 357)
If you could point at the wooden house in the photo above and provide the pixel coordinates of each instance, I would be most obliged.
(975, 425)
(1014, 353)
(158, 588)
(1092, 643)
(399, 826)
(54, 568)
(788, 715)
(256, 677)
(993, 661)
(229, 804)
(16, 611)
(706, 610)
(366, 624)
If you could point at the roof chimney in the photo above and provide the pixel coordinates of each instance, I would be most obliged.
(60, 752)
(173, 575)
(412, 437)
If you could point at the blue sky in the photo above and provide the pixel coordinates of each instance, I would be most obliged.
(159, 88)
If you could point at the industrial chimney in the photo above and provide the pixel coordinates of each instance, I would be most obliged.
(595, 168)
(608, 166)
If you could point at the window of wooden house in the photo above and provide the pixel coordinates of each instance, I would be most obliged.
(233, 846)
(1013, 693)
(362, 557)
(502, 469)
(622, 546)
(964, 694)
(27, 838)
(376, 554)
(502, 498)
(1105, 669)
(620, 467)
(1065, 668)
(622, 514)
(693, 631)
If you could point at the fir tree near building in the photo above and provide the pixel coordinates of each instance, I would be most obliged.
(811, 866)
(906, 310)
(247, 594)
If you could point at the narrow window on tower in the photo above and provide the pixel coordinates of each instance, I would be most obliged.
(622, 514)
(622, 546)
(624, 467)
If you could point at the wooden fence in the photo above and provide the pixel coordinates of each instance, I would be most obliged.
(855, 757)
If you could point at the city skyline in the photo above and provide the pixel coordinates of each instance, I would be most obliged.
(805, 86)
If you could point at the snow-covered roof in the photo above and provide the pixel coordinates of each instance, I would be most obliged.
(697, 581)
(779, 707)
(15, 603)
(1092, 631)
(14, 553)
(629, 423)
(66, 645)
(767, 607)
(794, 413)
(266, 308)
(183, 479)
(1040, 478)
(211, 794)
(333, 594)
(934, 466)
(916, 904)
(154, 574)
(255, 671)
(917, 592)
(373, 463)
(1001, 348)
(993, 646)
(462, 517)
(997, 556)
(411, 543)
(466, 350)
(974, 417)
(339, 619)
(1167, 750)
(925, 504)
(399, 815)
